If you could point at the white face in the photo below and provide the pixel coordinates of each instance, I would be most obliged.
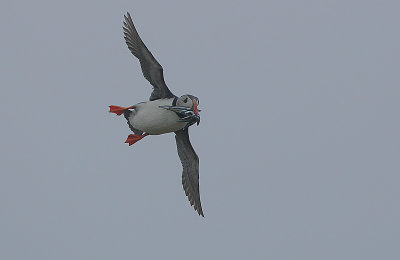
(184, 101)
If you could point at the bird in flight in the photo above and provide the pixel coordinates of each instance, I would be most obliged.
(163, 113)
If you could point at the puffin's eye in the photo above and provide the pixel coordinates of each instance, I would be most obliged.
(185, 100)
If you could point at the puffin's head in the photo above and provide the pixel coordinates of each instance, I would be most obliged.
(191, 102)
(188, 101)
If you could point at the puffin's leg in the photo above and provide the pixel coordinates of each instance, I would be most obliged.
(134, 138)
(119, 110)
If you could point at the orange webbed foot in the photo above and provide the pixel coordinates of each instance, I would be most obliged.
(119, 110)
(134, 138)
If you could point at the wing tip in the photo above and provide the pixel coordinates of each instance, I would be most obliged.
(195, 203)
(200, 212)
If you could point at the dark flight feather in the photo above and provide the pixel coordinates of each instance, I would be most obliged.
(151, 69)
(190, 174)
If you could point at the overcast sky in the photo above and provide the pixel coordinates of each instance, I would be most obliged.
(298, 141)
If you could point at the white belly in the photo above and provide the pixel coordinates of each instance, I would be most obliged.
(150, 118)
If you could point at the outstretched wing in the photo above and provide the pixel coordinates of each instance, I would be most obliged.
(190, 174)
(151, 69)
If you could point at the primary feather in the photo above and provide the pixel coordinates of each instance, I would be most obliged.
(152, 70)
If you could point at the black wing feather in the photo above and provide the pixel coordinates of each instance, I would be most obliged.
(190, 174)
(151, 69)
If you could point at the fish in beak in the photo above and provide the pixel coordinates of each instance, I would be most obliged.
(186, 114)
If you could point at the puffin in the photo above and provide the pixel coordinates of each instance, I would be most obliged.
(163, 113)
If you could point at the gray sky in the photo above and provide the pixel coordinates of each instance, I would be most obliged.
(298, 141)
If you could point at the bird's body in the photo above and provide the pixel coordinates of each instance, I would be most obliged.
(164, 113)
(151, 118)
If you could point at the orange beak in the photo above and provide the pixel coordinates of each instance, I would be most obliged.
(195, 110)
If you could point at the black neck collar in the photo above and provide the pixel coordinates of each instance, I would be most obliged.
(174, 101)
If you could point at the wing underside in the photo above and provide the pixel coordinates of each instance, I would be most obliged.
(190, 174)
(152, 70)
